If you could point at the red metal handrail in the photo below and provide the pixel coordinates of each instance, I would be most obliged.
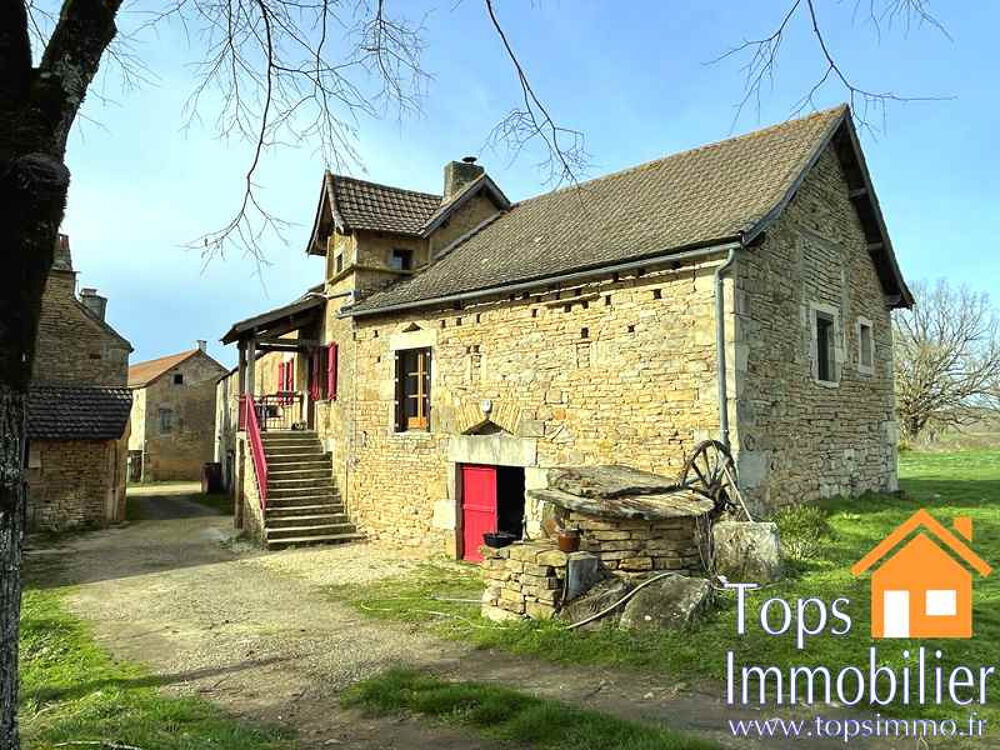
(248, 409)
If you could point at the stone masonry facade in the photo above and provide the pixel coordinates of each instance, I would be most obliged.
(798, 438)
(618, 368)
(76, 482)
(177, 449)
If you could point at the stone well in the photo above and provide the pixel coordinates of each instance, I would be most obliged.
(632, 523)
(632, 520)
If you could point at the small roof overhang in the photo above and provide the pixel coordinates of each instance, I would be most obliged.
(278, 321)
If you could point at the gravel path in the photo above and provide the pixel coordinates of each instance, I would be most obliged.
(253, 632)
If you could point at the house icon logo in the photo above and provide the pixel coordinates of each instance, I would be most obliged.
(924, 589)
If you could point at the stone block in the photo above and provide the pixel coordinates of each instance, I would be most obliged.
(583, 570)
(636, 563)
(599, 597)
(554, 557)
(747, 552)
(673, 603)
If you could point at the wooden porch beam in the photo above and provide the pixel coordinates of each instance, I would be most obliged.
(300, 344)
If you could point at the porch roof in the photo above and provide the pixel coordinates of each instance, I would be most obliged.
(279, 320)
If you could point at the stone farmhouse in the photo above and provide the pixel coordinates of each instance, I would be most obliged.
(461, 345)
(173, 415)
(78, 407)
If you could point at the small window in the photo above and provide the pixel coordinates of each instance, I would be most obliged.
(401, 260)
(866, 346)
(166, 421)
(178, 378)
(338, 263)
(413, 390)
(825, 347)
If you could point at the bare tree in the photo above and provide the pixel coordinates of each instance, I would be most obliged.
(286, 71)
(947, 358)
(760, 54)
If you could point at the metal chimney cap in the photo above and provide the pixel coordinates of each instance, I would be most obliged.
(469, 159)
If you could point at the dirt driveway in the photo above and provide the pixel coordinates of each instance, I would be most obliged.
(253, 632)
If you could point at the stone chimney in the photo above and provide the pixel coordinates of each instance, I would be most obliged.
(202, 343)
(458, 174)
(62, 260)
(94, 302)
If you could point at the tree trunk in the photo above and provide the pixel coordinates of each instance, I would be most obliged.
(13, 515)
(38, 106)
(32, 199)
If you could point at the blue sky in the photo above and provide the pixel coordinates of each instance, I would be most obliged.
(632, 76)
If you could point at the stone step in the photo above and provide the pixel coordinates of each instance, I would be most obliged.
(283, 511)
(323, 483)
(305, 517)
(281, 473)
(306, 498)
(272, 523)
(309, 529)
(279, 459)
(281, 438)
(325, 539)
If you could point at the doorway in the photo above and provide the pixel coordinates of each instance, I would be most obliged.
(492, 500)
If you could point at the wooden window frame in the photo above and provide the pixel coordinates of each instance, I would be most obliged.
(420, 361)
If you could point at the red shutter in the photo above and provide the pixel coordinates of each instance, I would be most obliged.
(281, 377)
(314, 374)
(331, 372)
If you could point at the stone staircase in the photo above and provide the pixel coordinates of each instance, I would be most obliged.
(303, 503)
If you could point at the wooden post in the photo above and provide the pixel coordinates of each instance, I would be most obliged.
(251, 358)
(242, 377)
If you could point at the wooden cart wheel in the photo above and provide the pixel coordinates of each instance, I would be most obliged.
(710, 471)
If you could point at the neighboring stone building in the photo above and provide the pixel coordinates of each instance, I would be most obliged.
(78, 407)
(173, 415)
(462, 345)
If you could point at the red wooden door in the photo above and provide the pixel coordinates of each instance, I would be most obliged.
(479, 508)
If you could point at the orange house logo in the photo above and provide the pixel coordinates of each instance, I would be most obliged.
(924, 590)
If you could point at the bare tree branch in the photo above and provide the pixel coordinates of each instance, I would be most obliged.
(289, 72)
(762, 58)
(566, 157)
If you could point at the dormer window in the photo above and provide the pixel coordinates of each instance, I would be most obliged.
(401, 260)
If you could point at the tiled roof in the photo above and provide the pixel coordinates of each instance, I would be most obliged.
(380, 208)
(77, 412)
(143, 373)
(712, 193)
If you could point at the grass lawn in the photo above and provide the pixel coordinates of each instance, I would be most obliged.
(74, 692)
(825, 543)
(507, 715)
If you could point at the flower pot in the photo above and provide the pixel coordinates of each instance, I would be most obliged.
(569, 540)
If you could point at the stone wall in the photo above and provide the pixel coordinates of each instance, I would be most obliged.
(618, 371)
(73, 348)
(629, 546)
(797, 438)
(75, 483)
(252, 516)
(180, 453)
(523, 580)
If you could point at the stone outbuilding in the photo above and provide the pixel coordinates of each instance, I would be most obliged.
(173, 415)
(78, 407)
(461, 344)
